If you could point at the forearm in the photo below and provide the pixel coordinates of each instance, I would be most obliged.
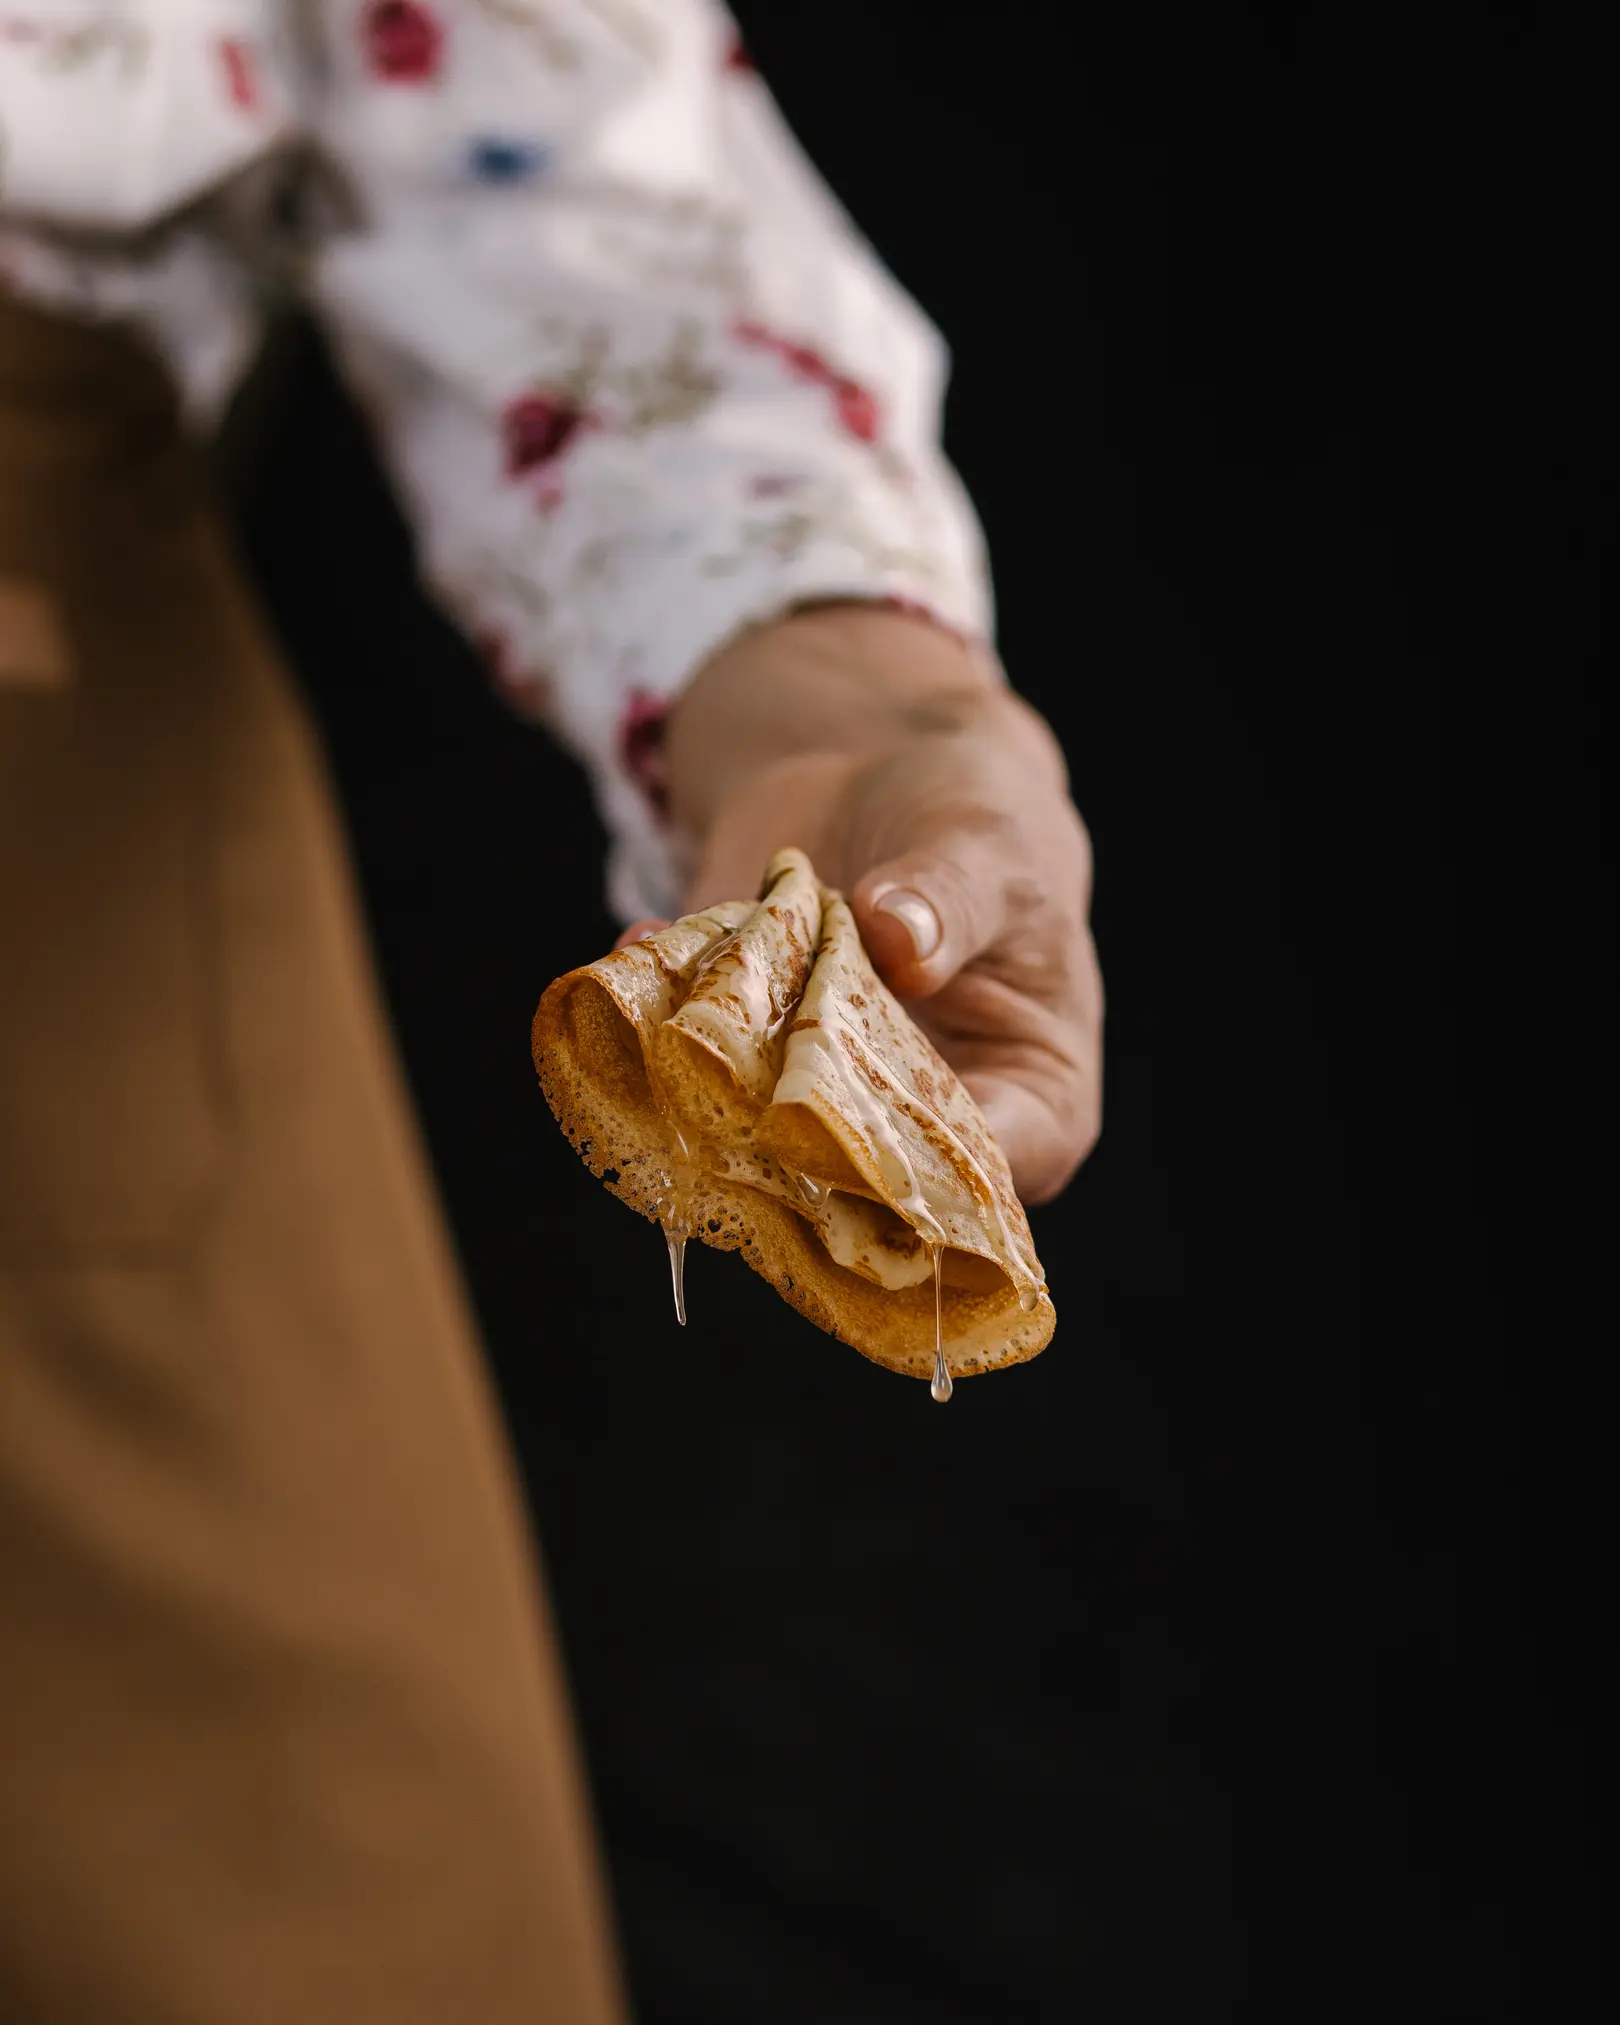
(830, 688)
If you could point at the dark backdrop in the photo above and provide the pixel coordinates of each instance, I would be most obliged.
(1218, 1665)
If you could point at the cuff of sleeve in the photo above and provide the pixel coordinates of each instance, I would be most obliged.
(650, 861)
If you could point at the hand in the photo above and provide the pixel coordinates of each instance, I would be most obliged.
(937, 800)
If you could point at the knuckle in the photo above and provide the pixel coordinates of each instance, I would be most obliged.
(958, 893)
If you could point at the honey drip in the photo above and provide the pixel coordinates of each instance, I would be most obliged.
(941, 1387)
(677, 1272)
(675, 1211)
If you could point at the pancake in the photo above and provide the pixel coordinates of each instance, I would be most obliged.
(744, 1077)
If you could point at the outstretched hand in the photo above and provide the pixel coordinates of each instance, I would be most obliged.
(937, 800)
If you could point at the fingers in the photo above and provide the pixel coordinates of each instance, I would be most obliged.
(1042, 1149)
(929, 911)
(974, 910)
(639, 930)
(966, 844)
(1033, 1068)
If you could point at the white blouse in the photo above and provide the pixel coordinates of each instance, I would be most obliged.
(640, 382)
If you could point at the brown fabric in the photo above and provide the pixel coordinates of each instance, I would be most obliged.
(33, 646)
(282, 1736)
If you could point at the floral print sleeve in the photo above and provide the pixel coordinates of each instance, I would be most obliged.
(639, 380)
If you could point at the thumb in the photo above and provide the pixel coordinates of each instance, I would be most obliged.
(927, 912)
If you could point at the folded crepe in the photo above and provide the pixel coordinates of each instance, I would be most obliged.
(745, 1077)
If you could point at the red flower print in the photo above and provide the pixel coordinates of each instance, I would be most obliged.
(803, 359)
(237, 59)
(404, 42)
(857, 410)
(737, 58)
(806, 361)
(537, 428)
(641, 746)
(856, 406)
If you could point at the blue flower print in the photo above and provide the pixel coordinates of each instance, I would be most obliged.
(495, 158)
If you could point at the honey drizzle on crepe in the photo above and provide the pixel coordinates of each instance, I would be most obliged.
(730, 985)
(898, 1173)
(682, 1178)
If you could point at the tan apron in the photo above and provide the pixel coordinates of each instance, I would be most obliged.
(282, 1734)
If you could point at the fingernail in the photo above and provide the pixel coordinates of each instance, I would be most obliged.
(922, 923)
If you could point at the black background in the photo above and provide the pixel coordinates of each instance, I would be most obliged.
(1225, 1663)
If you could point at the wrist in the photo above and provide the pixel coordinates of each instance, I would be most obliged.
(838, 681)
